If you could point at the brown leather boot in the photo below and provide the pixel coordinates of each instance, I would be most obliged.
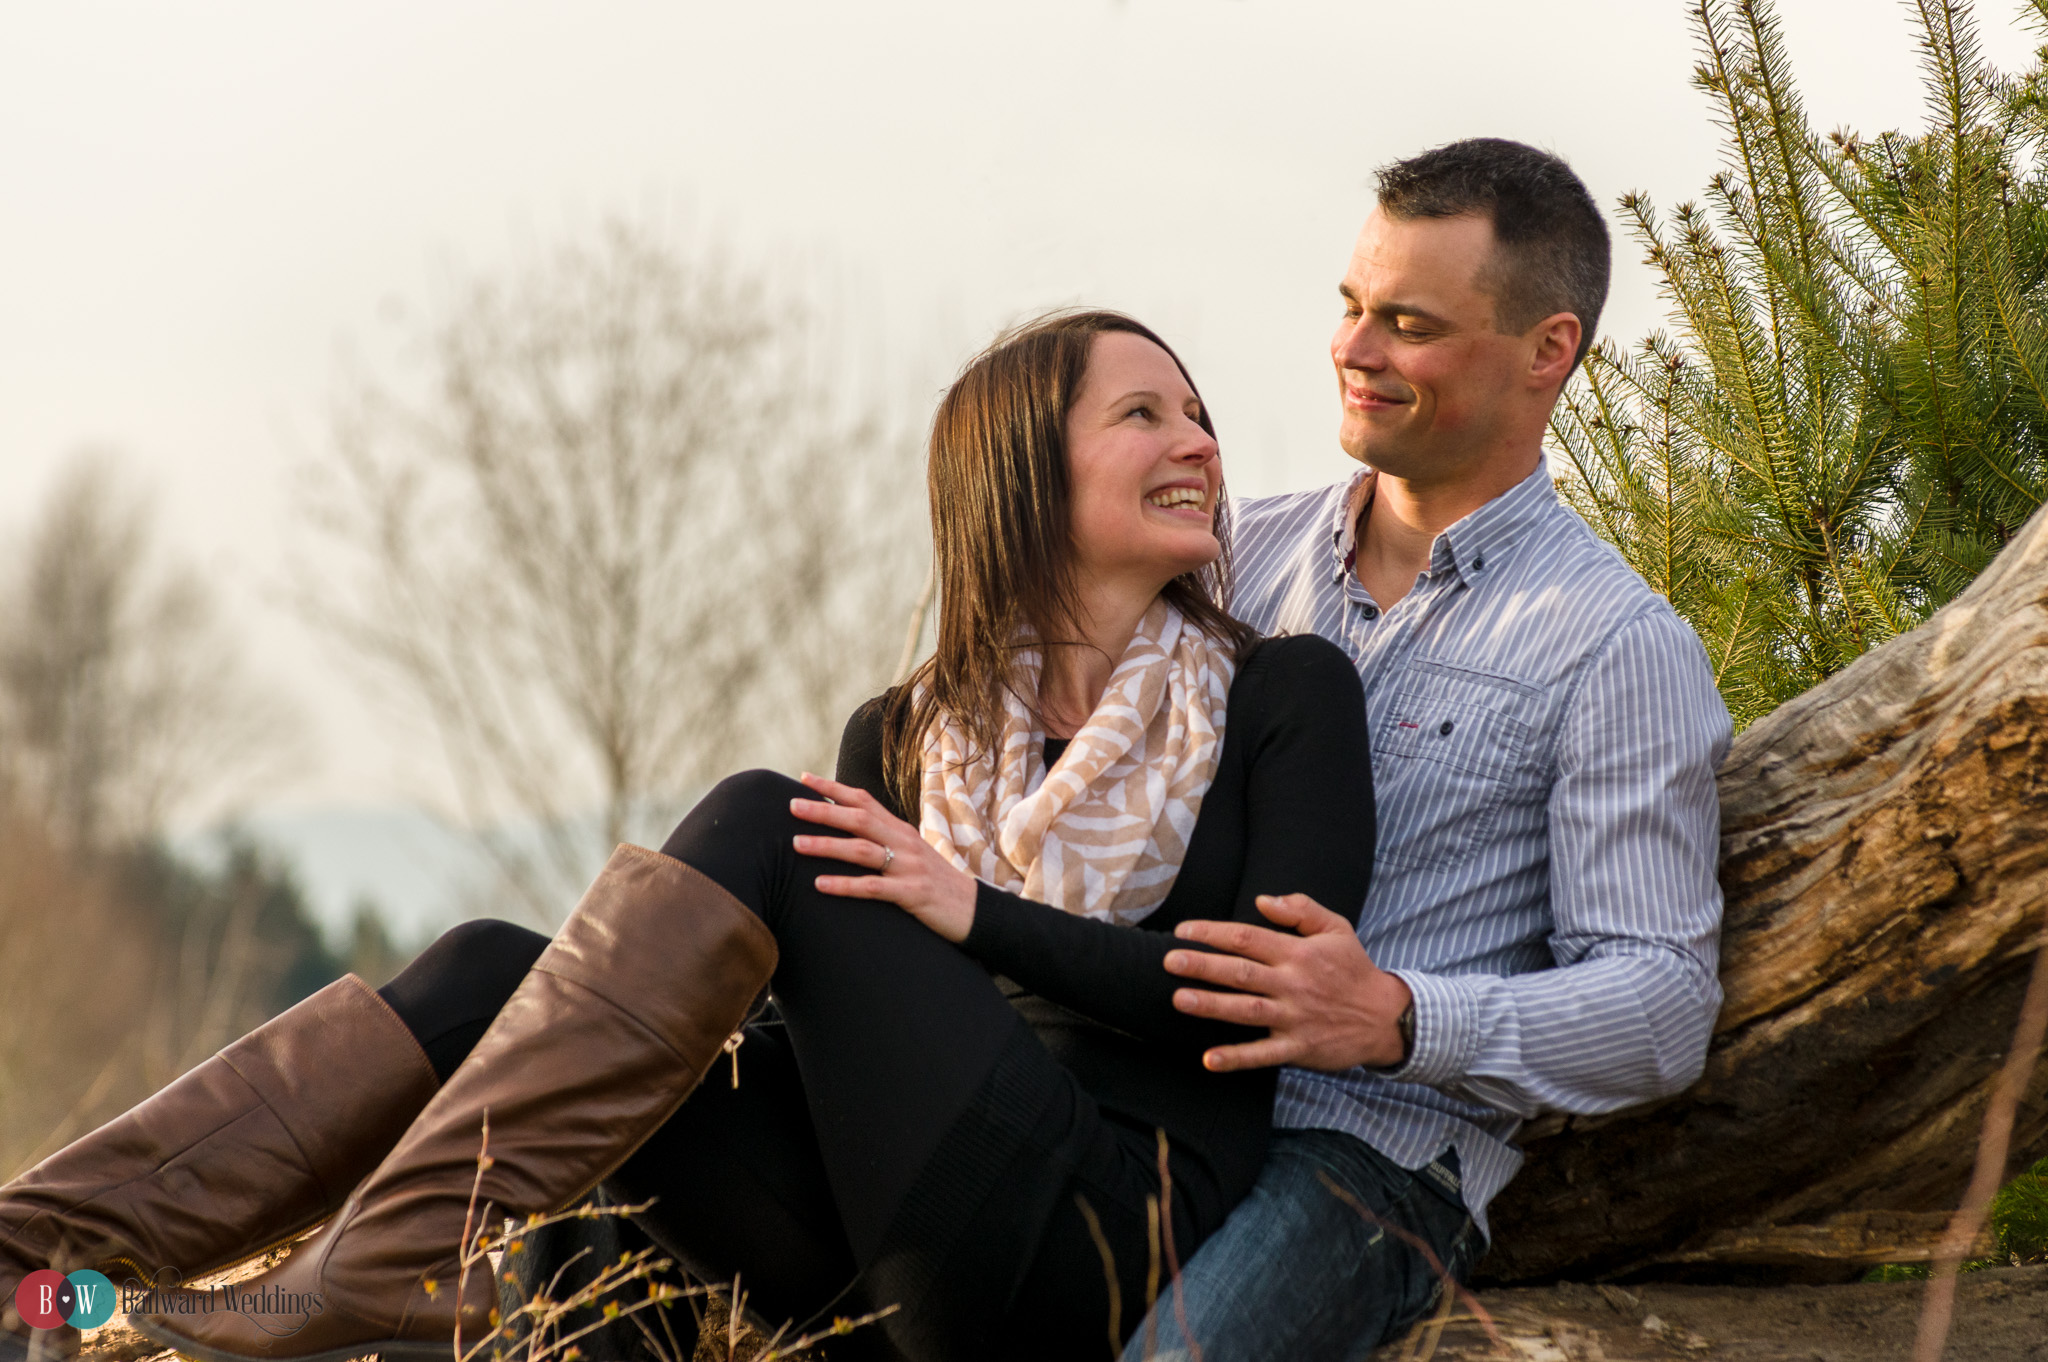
(603, 1040)
(254, 1145)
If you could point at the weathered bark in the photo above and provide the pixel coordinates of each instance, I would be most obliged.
(1885, 856)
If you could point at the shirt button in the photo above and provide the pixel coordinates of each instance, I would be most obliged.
(1371, 611)
(1446, 729)
(1479, 563)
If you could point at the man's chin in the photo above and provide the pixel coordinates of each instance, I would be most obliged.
(1357, 444)
(1384, 457)
(1375, 447)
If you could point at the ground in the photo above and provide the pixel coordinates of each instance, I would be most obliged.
(2001, 1316)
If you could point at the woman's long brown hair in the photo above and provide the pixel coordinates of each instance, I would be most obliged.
(1002, 535)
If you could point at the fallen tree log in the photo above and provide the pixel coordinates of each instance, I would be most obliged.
(1884, 851)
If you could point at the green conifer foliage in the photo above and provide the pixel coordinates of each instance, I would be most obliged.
(1849, 417)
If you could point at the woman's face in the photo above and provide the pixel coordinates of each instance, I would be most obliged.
(1145, 475)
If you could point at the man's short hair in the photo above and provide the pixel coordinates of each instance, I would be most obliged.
(1552, 253)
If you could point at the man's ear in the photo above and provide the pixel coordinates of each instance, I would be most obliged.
(1557, 347)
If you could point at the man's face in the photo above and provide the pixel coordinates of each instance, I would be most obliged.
(1430, 389)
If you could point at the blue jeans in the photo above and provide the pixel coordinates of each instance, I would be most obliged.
(1296, 1272)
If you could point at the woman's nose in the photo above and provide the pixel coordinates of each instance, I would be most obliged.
(1197, 448)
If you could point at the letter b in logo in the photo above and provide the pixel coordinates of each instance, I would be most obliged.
(38, 1298)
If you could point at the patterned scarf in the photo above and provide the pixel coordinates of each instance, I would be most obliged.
(1104, 832)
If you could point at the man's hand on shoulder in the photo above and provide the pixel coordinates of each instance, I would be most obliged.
(1324, 1002)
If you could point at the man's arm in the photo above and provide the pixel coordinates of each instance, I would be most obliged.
(1634, 840)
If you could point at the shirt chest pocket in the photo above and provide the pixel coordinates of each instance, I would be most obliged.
(1451, 749)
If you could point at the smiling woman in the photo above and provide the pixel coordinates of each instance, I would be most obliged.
(1097, 755)
(1043, 473)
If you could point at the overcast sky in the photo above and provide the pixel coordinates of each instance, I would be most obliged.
(203, 205)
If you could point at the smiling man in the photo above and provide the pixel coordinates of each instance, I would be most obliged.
(1542, 926)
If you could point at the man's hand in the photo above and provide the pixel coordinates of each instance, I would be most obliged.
(1327, 1005)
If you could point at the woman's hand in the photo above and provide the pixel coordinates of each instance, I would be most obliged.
(916, 878)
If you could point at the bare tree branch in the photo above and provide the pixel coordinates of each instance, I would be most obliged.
(628, 536)
(122, 697)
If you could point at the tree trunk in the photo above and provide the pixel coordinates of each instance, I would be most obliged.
(1884, 849)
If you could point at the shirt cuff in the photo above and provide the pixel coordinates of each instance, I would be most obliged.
(1446, 1029)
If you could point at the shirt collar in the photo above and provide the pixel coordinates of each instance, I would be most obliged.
(1467, 547)
(1344, 522)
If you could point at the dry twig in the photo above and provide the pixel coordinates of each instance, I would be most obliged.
(1994, 1144)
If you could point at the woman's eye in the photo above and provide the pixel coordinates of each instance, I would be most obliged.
(1140, 410)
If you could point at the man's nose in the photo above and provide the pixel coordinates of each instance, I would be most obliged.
(1357, 346)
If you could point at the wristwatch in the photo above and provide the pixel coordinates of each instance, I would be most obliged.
(1404, 1027)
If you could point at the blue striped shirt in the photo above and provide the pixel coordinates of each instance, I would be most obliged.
(1545, 731)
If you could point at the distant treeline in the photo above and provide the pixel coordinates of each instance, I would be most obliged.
(122, 701)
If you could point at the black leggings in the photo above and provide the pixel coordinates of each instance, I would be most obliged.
(902, 1122)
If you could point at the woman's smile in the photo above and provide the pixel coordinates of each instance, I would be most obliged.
(1187, 499)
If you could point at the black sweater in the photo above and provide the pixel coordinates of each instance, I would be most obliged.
(1290, 811)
